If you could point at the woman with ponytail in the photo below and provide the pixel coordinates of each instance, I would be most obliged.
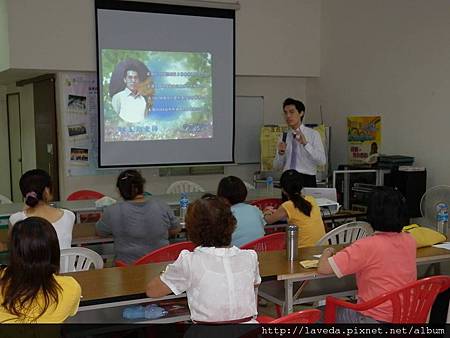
(300, 210)
(36, 188)
(138, 225)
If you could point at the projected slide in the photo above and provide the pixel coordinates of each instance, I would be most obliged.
(156, 95)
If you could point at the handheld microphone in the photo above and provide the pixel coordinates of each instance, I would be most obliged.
(283, 139)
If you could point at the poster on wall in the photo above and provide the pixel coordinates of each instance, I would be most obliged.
(270, 136)
(364, 139)
(80, 128)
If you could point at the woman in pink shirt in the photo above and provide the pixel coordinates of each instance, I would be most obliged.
(383, 262)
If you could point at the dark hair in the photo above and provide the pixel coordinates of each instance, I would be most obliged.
(34, 259)
(387, 210)
(32, 185)
(209, 222)
(133, 68)
(233, 189)
(291, 183)
(298, 105)
(130, 184)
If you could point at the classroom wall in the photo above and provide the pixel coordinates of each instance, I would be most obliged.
(278, 38)
(285, 44)
(4, 38)
(65, 31)
(393, 58)
(275, 90)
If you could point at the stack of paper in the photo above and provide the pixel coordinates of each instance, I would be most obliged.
(445, 245)
(311, 263)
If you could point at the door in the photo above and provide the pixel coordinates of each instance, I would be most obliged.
(15, 144)
(46, 129)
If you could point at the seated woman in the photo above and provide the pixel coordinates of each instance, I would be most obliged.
(219, 279)
(250, 220)
(383, 262)
(138, 225)
(36, 188)
(31, 290)
(300, 210)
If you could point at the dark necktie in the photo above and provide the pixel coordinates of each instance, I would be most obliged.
(294, 152)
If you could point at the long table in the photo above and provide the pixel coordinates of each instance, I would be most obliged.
(275, 263)
(118, 287)
(173, 200)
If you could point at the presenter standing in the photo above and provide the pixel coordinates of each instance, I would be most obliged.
(301, 147)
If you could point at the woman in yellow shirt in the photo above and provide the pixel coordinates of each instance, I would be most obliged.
(30, 290)
(300, 210)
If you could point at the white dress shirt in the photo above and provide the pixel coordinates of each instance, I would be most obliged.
(131, 108)
(219, 282)
(308, 157)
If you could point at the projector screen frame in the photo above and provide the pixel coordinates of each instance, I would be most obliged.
(174, 9)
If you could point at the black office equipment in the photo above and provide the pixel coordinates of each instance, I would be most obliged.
(412, 184)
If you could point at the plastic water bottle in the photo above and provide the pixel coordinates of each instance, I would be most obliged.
(133, 312)
(184, 202)
(292, 242)
(151, 311)
(269, 185)
(442, 218)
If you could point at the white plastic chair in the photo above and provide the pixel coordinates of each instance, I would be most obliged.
(346, 233)
(184, 186)
(4, 200)
(79, 259)
(249, 186)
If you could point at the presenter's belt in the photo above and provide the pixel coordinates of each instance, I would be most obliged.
(234, 321)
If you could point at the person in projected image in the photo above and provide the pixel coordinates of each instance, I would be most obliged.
(135, 100)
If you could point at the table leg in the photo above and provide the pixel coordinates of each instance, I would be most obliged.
(288, 297)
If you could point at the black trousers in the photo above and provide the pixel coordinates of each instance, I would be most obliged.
(308, 181)
(439, 310)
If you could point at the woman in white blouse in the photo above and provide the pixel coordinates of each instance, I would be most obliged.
(36, 188)
(219, 279)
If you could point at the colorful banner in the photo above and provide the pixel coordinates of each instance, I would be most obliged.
(364, 139)
(270, 136)
(79, 124)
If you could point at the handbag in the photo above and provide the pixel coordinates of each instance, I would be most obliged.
(424, 236)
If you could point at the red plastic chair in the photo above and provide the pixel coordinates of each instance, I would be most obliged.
(84, 195)
(164, 254)
(276, 241)
(301, 317)
(267, 202)
(410, 304)
(272, 242)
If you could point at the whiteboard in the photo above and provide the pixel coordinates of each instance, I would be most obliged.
(249, 118)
